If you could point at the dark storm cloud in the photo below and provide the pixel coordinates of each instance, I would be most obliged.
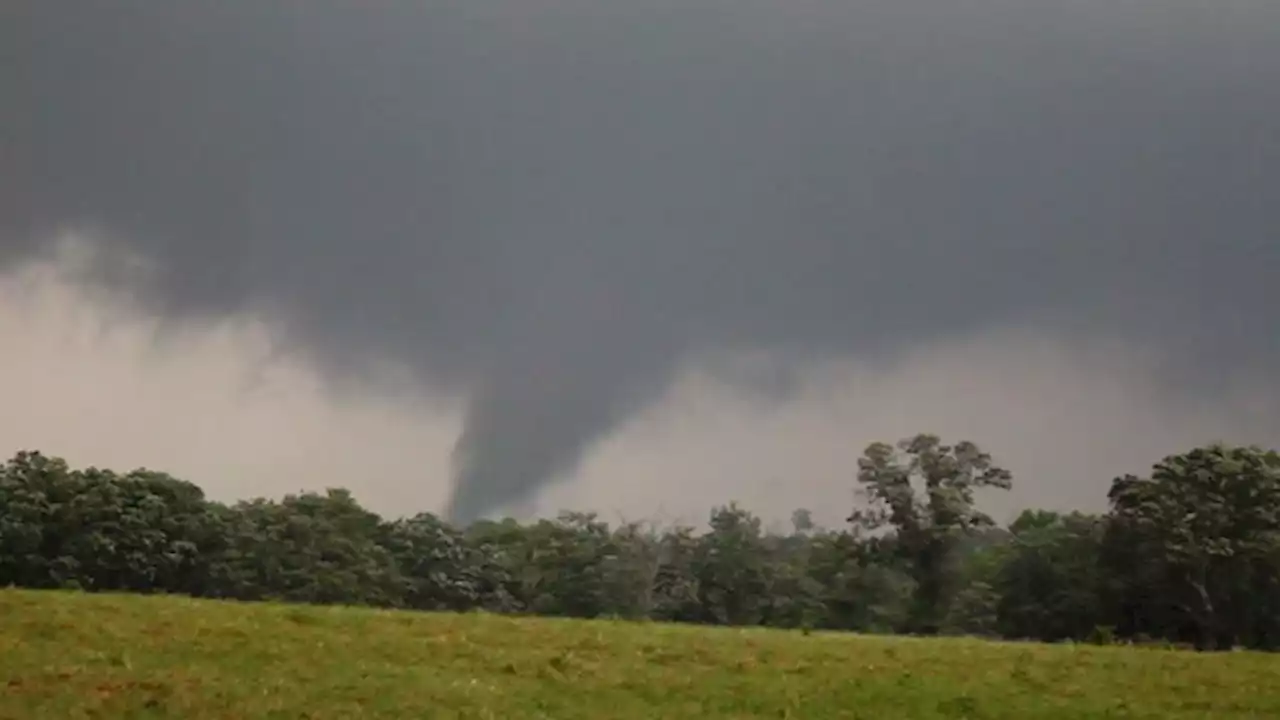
(547, 206)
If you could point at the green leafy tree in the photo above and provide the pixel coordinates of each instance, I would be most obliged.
(677, 589)
(439, 569)
(34, 526)
(793, 596)
(731, 567)
(96, 530)
(864, 586)
(631, 574)
(1049, 580)
(974, 609)
(1194, 546)
(1191, 553)
(308, 548)
(929, 520)
(142, 532)
(559, 567)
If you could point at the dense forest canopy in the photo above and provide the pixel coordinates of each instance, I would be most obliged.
(1189, 553)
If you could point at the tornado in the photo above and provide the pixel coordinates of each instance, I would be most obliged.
(548, 209)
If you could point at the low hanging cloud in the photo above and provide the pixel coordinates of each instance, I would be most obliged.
(549, 222)
(86, 376)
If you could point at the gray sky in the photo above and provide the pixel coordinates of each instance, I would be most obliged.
(339, 237)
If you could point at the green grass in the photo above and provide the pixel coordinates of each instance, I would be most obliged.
(68, 655)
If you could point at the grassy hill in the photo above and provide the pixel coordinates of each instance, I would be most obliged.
(65, 655)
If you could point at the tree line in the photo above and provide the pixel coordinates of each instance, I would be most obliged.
(1188, 554)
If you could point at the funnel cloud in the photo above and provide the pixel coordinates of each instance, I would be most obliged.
(549, 211)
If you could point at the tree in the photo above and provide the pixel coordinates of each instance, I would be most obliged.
(978, 558)
(438, 568)
(631, 575)
(802, 521)
(142, 532)
(1200, 538)
(34, 491)
(96, 530)
(730, 565)
(309, 548)
(929, 522)
(793, 596)
(676, 588)
(863, 585)
(1191, 553)
(1049, 580)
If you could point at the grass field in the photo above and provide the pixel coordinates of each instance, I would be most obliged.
(67, 655)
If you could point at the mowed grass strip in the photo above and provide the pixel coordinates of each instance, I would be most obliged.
(69, 655)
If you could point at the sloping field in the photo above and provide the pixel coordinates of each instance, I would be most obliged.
(66, 655)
